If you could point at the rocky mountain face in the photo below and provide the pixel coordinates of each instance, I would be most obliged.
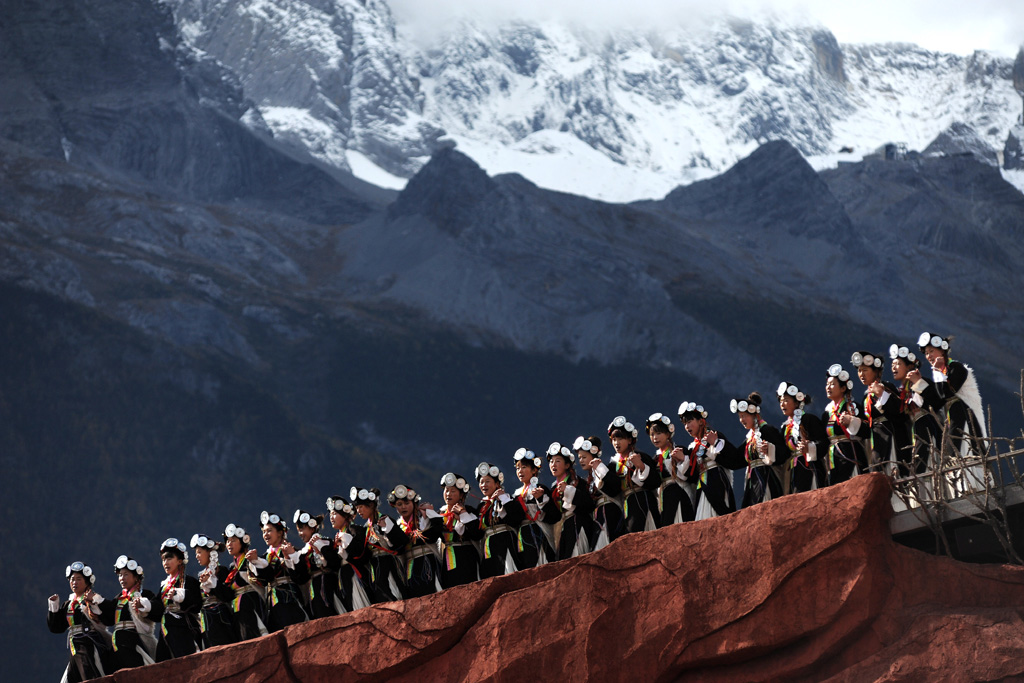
(203, 320)
(328, 75)
(144, 106)
(649, 109)
(805, 588)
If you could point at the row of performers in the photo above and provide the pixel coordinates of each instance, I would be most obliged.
(421, 551)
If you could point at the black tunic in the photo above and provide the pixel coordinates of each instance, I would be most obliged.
(846, 455)
(605, 490)
(179, 624)
(500, 519)
(926, 432)
(128, 643)
(888, 437)
(639, 497)
(381, 553)
(87, 642)
(422, 568)
(966, 430)
(460, 562)
(574, 529)
(216, 622)
(530, 512)
(714, 487)
(321, 588)
(347, 562)
(674, 500)
(761, 482)
(247, 606)
(807, 472)
(284, 598)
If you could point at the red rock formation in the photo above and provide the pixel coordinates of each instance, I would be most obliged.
(807, 587)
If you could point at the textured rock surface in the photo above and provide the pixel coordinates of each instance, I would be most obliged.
(682, 100)
(960, 138)
(809, 587)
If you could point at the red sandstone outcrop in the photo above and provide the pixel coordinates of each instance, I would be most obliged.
(808, 587)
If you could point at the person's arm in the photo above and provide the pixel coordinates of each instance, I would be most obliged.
(332, 557)
(727, 455)
(581, 499)
(682, 468)
(647, 477)
(470, 526)
(816, 437)
(855, 424)
(299, 572)
(220, 589)
(192, 599)
(889, 402)
(606, 480)
(396, 538)
(55, 619)
(435, 526)
(550, 510)
(108, 612)
(776, 442)
(512, 512)
(150, 606)
(956, 376)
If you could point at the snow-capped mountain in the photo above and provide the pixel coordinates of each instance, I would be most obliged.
(616, 115)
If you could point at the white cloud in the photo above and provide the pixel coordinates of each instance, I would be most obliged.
(942, 25)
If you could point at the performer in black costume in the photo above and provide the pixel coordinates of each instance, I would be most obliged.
(182, 599)
(574, 527)
(422, 525)
(954, 391)
(383, 543)
(319, 590)
(460, 562)
(500, 518)
(636, 473)
(711, 455)
(247, 605)
(888, 439)
(846, 455)
(132, 615)
(762, 445)
(281, 573)
(605, 489)
(674, 502)
(348, 559)
(216, 622)
(79, 616)
(926, 431)
(532, 546)
(805, 439)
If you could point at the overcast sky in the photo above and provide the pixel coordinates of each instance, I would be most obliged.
(959, 26)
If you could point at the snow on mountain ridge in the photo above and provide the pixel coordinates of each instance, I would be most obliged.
(658, 108)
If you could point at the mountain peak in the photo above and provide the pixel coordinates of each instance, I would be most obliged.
(773, 188)
(960, 138)
(446, 191)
